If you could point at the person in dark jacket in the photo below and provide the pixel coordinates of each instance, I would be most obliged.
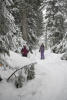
(41, 50)
(24, 51)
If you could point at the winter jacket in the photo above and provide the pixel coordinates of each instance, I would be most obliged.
(42, 48)
(24, 51)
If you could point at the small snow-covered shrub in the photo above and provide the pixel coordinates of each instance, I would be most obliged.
(64, 57)
(24, 75)
(19, 81)
(31, 73)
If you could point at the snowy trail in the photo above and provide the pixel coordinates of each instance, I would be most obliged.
(50, 81)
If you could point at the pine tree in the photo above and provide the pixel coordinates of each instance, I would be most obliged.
(30, 17)
(55, 21)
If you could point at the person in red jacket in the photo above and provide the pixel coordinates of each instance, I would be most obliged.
(24, 51)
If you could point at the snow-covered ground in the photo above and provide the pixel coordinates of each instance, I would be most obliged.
(50, 81)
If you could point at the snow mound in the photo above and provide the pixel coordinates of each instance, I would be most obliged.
(15, 60)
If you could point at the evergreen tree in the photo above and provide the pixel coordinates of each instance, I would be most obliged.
(3, 20)
(55, 21)
(20, 19)
(29, 19)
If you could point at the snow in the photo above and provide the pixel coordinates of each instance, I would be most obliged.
(65, 20)
(50, 81)
(7, 3)
(58, 14)
(16, 60)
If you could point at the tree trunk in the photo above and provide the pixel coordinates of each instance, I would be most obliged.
(24, 25)
(46, 39)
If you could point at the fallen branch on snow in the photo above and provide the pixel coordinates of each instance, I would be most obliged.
(26, 66)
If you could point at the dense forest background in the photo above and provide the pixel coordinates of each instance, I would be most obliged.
(23, 21)
(31, 23)
(20, 21)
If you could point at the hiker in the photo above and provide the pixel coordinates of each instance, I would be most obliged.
(41, 50)
(24, 51)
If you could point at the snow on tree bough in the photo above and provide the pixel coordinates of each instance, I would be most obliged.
(28, 67)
